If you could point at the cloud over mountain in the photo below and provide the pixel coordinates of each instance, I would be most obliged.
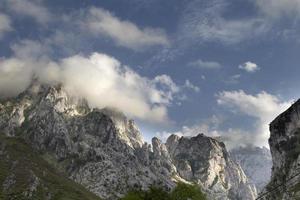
(263, 107)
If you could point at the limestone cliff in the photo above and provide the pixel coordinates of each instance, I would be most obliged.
(104, 151)
(285, 149)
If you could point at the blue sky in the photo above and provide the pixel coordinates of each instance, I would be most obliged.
(225, 68)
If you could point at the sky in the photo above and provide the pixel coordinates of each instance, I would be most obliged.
(219, 67)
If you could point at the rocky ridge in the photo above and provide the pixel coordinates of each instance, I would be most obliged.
(104, 151)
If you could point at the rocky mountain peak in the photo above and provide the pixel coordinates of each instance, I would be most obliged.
(206, 161)
(104, 151)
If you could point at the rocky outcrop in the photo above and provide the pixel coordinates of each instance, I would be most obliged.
(285, 149)
(206, 161)
(256, 163)
(104, 151)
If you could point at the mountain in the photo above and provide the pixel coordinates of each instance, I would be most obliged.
(285, 149)
(206, 161)
(256, 163)
(104, 151)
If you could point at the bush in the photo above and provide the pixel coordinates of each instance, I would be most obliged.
(180, 192)
(157, 194)
(187, 192)
(134, 195)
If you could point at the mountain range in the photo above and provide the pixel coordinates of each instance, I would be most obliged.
(69, 150)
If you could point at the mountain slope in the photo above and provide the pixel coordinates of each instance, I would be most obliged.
(25, 175)
(103, 151)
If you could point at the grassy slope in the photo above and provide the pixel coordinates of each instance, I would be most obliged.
(23, 164)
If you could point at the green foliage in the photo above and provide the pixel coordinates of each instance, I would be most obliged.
(134, 195)
(187, 192)
(156, 194)
(20, 161)
(180, 192)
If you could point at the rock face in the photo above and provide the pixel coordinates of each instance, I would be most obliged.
(104, 151)
(206, 161)
(256, 163)
(285, 149)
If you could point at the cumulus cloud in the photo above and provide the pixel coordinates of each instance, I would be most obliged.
(99, 78)
(33, 9)
(205, 64)
(123, 33)
(263, 107)
(5, 24)
(15, 76)
(249, 67)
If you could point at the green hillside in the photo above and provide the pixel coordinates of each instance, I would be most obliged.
(24, 175)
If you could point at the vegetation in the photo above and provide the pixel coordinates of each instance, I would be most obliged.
(25, 175)
(180, 192)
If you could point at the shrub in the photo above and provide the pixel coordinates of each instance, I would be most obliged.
(187, 192)
(180, 192)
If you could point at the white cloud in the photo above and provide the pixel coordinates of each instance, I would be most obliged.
(205, 22)
(208, 127)
(5, 24)
(232, 137)
(234, 79)
(123, 33)
(191, 86)
(249, 67)
(278, 8)
(15, 76)
(30, 8)
(263, 107)
(29, 49)
(99, 78)
(205, 64)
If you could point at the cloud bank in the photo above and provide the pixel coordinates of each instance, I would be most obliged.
(99, 78)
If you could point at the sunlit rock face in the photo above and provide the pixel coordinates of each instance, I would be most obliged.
(104, 151)
(206, 161)
(285, 149)
(256, 163)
